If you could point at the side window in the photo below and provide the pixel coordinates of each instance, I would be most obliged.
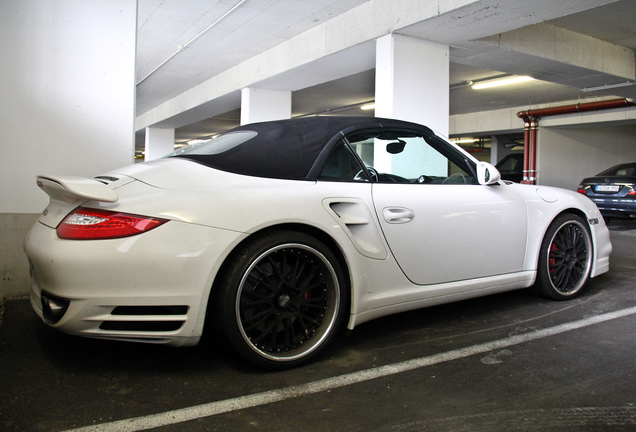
(342, 165)
(395, 156)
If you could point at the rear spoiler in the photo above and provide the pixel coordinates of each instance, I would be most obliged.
(68, 192)
(72, 189)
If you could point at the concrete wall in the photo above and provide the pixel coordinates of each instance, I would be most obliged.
(566, 155)
(14, 267)
(67, 94)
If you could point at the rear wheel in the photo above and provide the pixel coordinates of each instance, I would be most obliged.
(565, 258)
(280, 300)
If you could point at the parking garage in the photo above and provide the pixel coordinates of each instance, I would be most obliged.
(91, 86)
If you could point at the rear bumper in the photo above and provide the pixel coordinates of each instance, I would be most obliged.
(96, 318)
(153, 287)
(616, 207)
(618, 214)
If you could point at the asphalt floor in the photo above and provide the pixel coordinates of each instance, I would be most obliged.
(507, 362)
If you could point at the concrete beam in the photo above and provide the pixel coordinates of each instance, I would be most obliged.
(542, 49)
(504, 121)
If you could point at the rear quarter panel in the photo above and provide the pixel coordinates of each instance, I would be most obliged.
(246, 205)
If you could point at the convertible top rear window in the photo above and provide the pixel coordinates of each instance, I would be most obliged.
(218, 145)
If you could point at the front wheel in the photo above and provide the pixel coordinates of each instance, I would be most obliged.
(565, 258)
(281, 299)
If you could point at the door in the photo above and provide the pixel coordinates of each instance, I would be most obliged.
(440, 224)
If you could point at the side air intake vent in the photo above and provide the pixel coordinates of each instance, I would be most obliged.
(145, 326)
(106, 179)
(150, 310)
(146, 318)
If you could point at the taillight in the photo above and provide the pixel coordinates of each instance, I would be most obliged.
(91, 224)
(581, 189)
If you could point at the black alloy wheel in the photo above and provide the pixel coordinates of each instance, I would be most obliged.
(565, 258)
(281, 300)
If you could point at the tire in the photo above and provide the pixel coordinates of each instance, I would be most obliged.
(281, 299)
(565, 258)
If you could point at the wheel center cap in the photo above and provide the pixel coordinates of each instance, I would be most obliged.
(284, 300)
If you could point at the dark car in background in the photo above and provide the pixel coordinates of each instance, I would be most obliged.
(511, 167)
(613, 191)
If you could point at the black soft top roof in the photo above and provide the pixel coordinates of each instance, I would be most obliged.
(289, 149)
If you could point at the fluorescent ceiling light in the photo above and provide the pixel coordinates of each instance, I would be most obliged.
(608, 86)
(501, 82)
(368, 106)
(461, 84)
(464, 140)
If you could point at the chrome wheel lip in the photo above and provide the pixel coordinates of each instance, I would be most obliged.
(586, 238)
(330, 314)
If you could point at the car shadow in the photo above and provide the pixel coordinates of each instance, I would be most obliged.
(75, 353)
(429, 330)
(621, 224)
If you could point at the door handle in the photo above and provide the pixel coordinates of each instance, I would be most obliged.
(398, 215)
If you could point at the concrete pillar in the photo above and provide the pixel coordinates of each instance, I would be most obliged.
(258, 105)
(411, 81)
(159, 142)
(500, 147)
(496, 149)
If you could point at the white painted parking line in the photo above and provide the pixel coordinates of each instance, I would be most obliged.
(249, 401)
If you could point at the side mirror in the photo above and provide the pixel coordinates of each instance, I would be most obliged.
(487, 174)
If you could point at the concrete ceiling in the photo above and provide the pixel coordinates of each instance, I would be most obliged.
(168, 29)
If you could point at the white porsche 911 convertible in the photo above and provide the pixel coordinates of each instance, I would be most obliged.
(281, 233)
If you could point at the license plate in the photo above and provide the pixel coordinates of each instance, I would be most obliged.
(607, 188)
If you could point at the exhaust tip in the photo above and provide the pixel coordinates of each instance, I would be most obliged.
(53, 307)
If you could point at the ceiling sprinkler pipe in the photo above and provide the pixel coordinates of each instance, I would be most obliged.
(185, 45)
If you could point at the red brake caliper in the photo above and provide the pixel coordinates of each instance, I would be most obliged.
(552, 261)
(306, 296)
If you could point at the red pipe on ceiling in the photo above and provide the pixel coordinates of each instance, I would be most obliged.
(526, 153)
(579, 107)
(531, 125)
